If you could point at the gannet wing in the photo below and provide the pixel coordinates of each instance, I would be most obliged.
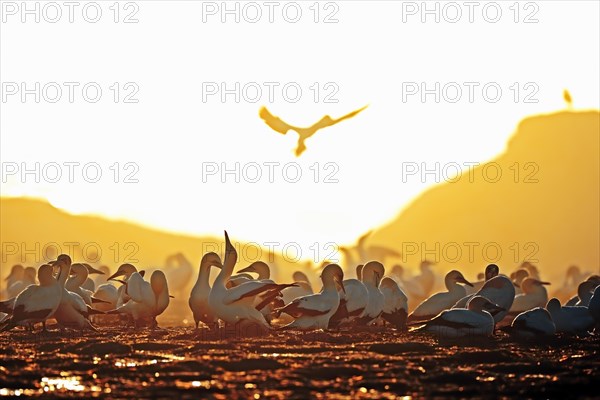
(349, 115)
(310, 306)
(250, 289)
(274, 122)
(135, 287)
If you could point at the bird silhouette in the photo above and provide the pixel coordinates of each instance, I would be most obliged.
(282, 127)
(568, 99)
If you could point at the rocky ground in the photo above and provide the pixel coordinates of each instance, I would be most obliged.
(183, 363)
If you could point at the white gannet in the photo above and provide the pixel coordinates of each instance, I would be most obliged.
(78, 276)
(109, 296)
(279, 126)
(73, 312)
(499, 290)
(533, 323)
(491, 271)
(570, 319)
(141, 301)
(236, 305)
(584, 292)
(395, 306)
(304, 287)
(534, 295)
(371, 276)
(124, 270)
(38, 302)
(265, 302)
(443, 300)
(198, 301)
(313, 311)
(476, 319)
(353, 301)
(19, 285)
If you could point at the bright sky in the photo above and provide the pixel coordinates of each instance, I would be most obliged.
(369, 56)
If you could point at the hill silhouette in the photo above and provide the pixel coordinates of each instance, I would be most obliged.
(548, 213)
(35, 227)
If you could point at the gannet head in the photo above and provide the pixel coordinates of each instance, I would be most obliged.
(63, 258)
(44, 275)
(333, 274)
(258, 267)
(586, 287)
(388, 282)
(518, 276)
(211, 259)
(64, 266)
(491, 271)
(299, 276)
(359, 271)
(455, 276)
(80, 272)
(124, 270)
(553, 306)
(480, 303)
(158, 281)
(372, 272)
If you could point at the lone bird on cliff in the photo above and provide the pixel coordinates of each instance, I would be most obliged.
(568, 99)
(282, 127)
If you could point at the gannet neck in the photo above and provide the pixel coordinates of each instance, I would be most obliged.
(45, 275)
(63, 274)
(262, 269)
(208, 260)
(228, 265)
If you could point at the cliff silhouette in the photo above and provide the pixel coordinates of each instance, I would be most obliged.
(547, 213)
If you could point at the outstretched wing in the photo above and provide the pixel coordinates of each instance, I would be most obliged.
(274, 122)
(250, 290)
(349, 115)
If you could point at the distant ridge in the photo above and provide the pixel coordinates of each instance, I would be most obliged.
(555, 221)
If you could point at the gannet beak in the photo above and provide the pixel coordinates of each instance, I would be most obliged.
(247, 269)
(115, 275)
(92, 270)
(463, 280)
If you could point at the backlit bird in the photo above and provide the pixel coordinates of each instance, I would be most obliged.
(282, 127)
